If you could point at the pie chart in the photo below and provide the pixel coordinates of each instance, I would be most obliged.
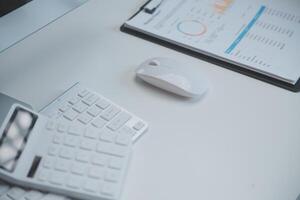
(191, 28)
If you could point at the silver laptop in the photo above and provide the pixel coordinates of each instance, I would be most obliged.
(21, 18)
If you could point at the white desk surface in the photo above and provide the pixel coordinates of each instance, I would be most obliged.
(241, 141)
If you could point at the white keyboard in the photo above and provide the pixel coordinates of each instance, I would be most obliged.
(8, 192)
(85, 161)
(86, 108)
(89, 150)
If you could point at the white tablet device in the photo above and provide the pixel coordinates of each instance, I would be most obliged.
(37, 152)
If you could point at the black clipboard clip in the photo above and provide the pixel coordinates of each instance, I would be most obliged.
(151, 7)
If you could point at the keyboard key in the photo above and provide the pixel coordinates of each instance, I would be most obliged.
(99, 122)
(91, 186)
(119, 121)
(92, 133)
(112, 175)
(64, 107)
(107, 135)
(74, 182)
(53, 150)
(33, 195)
(71, 141)
(80, 107)
(43, 175)
(100, 159)
(50, 125)
(79, 169)
(71, 114)
(62, 128)
(123, 139)
(109, 189)
(73, 100)
(90, 99)
(119, 151)
(66, 153)
(57, 138)
(53, 114)
(102, 103)
(94, 111)
(76, 130)
(49, 162)
(88, 144)
(139, 125)
(83, 156)
(57, 115)
(116, 163)
(110, 112)
(83, 93)
(104, 147)
(85, 118)
(126, 131)
(57, 178)
(96, 172)
(107, 148)
(15, 193)
(62, 165)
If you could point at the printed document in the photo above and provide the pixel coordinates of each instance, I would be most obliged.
(258, 36)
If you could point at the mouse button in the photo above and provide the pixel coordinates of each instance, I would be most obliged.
(154, 62)
(177, 80)
(153, 71)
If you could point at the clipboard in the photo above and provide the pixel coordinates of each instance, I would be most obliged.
(234, 67)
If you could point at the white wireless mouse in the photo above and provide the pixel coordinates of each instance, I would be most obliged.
(169, 75)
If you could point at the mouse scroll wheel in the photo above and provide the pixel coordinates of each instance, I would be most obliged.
(154, 63)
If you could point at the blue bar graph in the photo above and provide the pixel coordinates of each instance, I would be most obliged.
(245, 30)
